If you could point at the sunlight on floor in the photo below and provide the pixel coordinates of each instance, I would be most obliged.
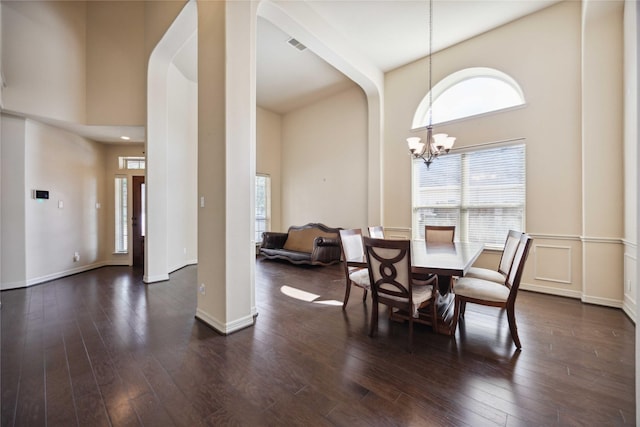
(306, 296)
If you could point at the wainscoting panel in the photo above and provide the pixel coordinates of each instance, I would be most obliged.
(552, 263)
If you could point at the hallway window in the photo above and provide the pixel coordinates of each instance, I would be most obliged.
(122, 232)
(131, 162)
(263, 205)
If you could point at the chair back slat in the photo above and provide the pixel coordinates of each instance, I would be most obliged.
(517, 268)
(509, 252)
(351, 240)
(389, 267)
(439, 233)
(376, 232)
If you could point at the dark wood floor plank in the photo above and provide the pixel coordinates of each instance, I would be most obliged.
(103, 348)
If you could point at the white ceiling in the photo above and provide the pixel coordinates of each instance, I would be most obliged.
(389, 33)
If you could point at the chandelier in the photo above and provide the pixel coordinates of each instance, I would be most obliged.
(439, 143)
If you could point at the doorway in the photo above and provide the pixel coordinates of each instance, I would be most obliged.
(138, 221)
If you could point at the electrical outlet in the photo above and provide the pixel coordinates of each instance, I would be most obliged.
(76, 257)
(202, 289)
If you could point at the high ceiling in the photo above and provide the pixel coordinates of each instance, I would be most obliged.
(388, 33)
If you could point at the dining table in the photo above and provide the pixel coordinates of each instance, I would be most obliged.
(447, 260)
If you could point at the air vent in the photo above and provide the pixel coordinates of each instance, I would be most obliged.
(295, 43)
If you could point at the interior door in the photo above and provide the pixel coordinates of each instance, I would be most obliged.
(138, 222)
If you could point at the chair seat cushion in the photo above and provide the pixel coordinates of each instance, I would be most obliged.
(485, 274)
(360, 277)
(481, 289)
(421, 294)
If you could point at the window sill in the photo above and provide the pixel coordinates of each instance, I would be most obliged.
(121, 253)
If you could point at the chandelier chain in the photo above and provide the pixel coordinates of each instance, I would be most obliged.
(441, 143)
(430, 61)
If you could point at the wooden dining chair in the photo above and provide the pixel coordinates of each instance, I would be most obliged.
(502, 295)
(508, 254)
(354, 262)
(376, 232)
(392, 283)
(439, 233)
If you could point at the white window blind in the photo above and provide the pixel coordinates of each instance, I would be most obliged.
(482, 192)
(263, 206)
(121, 228)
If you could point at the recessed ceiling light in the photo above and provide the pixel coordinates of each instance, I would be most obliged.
(126, 138)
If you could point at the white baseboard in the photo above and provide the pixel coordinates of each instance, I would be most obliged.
(13, 285)
(156, 278)
(629, 307)
(57, 275)
(551, 291)
(182, 265)
(228, 328)
(607, 302)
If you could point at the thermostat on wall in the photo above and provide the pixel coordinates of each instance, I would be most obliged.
(40, 194)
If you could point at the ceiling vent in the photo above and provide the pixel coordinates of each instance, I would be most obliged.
(295, 43)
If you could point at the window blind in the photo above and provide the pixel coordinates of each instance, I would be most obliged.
(121, 228)
(482, 192)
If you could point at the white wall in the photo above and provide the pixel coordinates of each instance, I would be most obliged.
(71, 168)
(631, 46)
(324, 162)
(44, 58)
(14, 194)
(268, 159)
(182, 173)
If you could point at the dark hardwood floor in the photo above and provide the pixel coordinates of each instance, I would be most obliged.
(102, 348)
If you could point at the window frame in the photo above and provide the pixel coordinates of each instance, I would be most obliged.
(421, 116)
(464, 208)
(267, 217)
(132, 162)
(121, 214)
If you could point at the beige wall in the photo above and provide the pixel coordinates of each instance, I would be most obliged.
(548, 68)
(116, 63)
(81, 62)
(268, 159)
(44, 58)
(324, 162)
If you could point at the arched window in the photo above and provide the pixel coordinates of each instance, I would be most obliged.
(468, 93)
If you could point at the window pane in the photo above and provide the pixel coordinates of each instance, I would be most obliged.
(121, 225)
(263, 206)
(491, 226)
(131, 162)
(435, 216)
(143, 209)
(474, 96)
(481, 192)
